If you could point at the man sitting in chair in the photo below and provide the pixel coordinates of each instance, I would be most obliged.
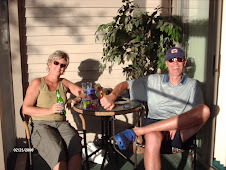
(175, 103)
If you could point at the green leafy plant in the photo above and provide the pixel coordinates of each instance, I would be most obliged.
(139, 38)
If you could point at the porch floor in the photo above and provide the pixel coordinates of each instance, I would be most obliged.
(169, 162)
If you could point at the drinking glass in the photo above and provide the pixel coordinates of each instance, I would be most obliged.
(85, 86)
(89, 85)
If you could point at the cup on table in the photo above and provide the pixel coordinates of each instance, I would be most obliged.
(85, 86)
(91, 93)
(94, 104)
(89, 85)
(86, 103)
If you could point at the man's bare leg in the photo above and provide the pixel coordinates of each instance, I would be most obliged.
(152, 156)
(189, 123)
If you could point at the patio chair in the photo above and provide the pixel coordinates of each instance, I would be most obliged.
(25, 119)
(28, 136)
(139, 146)
(34, 154)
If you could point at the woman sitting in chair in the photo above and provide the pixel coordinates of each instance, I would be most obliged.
(55, 139)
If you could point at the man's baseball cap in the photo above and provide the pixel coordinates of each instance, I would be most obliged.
(174, 52)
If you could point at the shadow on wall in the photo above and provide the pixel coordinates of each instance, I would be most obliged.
(190, 67)
(89, 71)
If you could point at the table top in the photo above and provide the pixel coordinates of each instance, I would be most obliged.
(123, 106)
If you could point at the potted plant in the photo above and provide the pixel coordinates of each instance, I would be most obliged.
(139, 38)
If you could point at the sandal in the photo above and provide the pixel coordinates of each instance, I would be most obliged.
(125, 138)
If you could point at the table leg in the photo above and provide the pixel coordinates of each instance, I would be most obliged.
(106, 122)
(105, 156)
(108, 132)
(86, 152)
(84, 137)
(114, 146)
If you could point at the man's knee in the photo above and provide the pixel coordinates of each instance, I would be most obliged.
(154, 139)
(205, 111)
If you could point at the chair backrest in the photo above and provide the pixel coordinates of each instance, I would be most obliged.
(25, 119)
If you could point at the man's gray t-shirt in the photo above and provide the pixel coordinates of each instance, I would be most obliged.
(165, 100)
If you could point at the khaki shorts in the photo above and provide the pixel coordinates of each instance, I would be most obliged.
(55, 140)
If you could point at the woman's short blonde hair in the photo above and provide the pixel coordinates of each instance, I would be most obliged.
(58, 54)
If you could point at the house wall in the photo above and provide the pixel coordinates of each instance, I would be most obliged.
(70, 26)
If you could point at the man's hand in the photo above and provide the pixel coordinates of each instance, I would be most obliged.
(172, 134)
(108, 102)
(169, 135)
(138, 131)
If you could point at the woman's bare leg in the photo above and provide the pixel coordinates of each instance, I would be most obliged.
(62, 165)
(75, 162)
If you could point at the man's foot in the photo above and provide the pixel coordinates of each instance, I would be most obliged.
(125, 138)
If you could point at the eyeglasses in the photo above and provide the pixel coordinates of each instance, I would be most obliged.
(61, 65)
(176, 59)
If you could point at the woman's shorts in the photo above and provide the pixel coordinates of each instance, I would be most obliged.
(168, 144)
(55, 140)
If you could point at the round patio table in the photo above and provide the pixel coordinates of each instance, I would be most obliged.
(122, 107)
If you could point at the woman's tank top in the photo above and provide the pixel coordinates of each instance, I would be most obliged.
(47, 98)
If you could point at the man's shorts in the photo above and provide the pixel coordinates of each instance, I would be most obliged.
(55, 140)
(168, 144)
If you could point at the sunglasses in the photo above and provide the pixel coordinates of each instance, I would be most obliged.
(61, 65)
(176, 59)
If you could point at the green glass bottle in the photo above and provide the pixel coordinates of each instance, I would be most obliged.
(60, 100)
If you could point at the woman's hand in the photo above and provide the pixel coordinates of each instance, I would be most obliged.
(56, 108)
(75, 101)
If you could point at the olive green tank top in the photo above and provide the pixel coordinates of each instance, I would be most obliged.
(47, 98)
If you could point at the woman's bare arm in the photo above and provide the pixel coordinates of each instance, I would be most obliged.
(32, 94)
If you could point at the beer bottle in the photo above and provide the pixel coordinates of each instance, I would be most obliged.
(99, 91)
(60, 100)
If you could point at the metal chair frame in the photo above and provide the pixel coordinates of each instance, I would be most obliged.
(28, 136)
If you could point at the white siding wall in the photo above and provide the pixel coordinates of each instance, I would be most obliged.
(70, 25)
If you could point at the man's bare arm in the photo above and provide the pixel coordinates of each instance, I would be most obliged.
(108, 101)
